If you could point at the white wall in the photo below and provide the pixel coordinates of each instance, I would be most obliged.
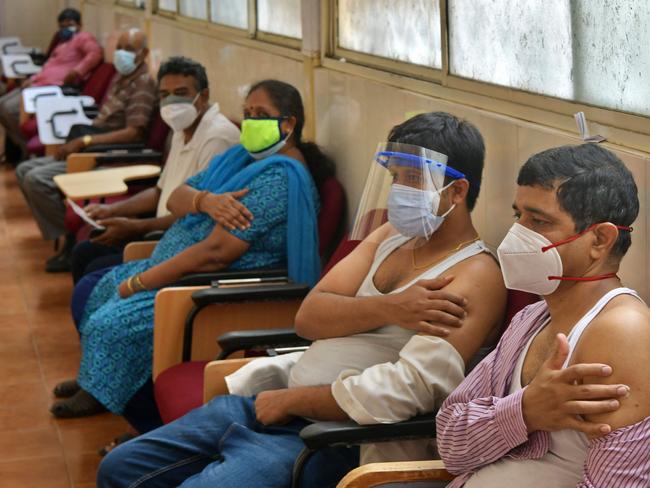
(34, 21)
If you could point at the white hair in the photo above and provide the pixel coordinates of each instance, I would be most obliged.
(132, 33)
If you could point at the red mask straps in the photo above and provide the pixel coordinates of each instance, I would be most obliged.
(573, 238)
(580, 234)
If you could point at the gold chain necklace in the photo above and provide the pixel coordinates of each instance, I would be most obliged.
(454, 250)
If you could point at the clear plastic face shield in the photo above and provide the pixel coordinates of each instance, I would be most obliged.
(403, 191)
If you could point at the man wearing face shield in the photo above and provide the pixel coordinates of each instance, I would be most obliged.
(123, 118)
(393, 323)
(71, 61)
(564, 400)
(201, 131)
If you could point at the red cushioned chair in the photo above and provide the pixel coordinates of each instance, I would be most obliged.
(179, 389)
(320, 435)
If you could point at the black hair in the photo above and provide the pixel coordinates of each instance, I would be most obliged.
(180, 65)
(593, 186)
(69, 14)
(459, 140)
(286, 98)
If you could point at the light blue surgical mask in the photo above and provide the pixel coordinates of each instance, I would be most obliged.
(413, 211)
(124, 61)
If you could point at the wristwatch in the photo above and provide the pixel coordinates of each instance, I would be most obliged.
(87, 140)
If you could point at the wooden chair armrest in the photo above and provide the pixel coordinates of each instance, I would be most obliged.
(173, 305)
(377, 474)
(78, 162)
(138, 250)
(214, 376)
(170, 310)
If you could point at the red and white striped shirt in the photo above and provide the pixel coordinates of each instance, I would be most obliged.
(480, 423)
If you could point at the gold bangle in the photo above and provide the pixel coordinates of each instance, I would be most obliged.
(196, 201)
(87, 140)
(138, 283)
(129, 285)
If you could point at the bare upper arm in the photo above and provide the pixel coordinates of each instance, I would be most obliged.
(346, 277)
(480, 282)
(619, 337)
(223, 247)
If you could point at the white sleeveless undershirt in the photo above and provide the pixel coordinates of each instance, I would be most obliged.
(326, 358)
(561, 466)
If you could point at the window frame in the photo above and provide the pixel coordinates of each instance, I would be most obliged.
(617, 125)
(131, 5)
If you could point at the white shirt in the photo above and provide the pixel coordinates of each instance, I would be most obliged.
(382, 376)
(214, 134)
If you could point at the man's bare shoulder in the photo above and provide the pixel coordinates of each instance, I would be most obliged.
(619, 337)
(624, 321)
(481, 268)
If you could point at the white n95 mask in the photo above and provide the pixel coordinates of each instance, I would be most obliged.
(178, 112)
(524, 264)
(530, 262)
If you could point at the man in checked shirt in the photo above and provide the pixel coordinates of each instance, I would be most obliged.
(123, 118)
(564, 399)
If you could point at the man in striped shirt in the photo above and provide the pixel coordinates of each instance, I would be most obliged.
(564, 400)
(123, 118)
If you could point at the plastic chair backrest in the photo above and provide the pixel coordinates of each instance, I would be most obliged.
(158, 131)
(516, 301)
(344, 248)
(99, 81)
(330, 217)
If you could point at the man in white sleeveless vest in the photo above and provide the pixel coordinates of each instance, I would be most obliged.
(394, 325)
(564, 400)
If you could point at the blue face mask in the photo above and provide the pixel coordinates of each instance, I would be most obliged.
(413, 212)
(124, 62)
(66, 33)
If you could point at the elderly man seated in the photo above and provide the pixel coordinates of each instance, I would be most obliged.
(564, 401)
(123, 117)
(394, 324)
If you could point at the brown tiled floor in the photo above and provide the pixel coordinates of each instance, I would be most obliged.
(38, 348)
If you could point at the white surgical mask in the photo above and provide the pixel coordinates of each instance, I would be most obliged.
(524, 263)
(178, 112)
(413, 212)
(124, 61)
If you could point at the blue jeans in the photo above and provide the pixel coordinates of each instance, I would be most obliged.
(221, 444)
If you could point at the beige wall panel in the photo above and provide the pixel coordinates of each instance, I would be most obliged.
(33, 21)
(106, 23)
(231, 68)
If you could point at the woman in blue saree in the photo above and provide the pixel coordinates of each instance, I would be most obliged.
(254, 206)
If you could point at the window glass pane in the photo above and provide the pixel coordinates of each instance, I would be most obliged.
(167, 5)
(523, 45)
(591, 51)
(197, 9)
(280, 17)
(611, 65)
(403, 30)
(230, 12)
